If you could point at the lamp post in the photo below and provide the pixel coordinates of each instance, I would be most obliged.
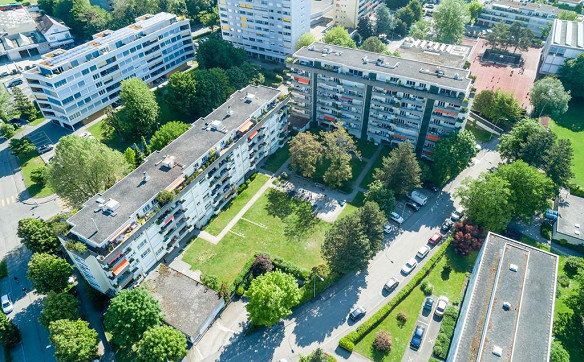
(314, 276)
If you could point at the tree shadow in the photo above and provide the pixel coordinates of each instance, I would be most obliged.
(256, 345)
(573, 119)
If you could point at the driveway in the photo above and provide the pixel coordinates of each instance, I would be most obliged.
(431, 322)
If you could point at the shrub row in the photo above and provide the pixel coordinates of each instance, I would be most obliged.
(348, 342)
(446, 332)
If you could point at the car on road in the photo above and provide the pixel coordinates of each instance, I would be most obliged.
(428, 303)
(435, 239)
(357, 313)
(391, 284)
(441, 306)
(396, 217)
(13, 83)
(456, 215)
(409, 266)
(446, 225)
(45, 148)
(388, 228)
(413, 206)
(7, 306)
(416, 341)
(422, 252)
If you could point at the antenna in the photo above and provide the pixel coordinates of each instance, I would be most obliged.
(94, 224)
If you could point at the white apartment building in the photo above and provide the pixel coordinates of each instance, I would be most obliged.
(537, 17)
(348, 12)
(127, 231)
(72, 85)
(565, 41)
(378, 97)
(268, 29)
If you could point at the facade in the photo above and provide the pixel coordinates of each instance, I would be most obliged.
(126, 231)
(72, 85)
(570, 224)
(268, 30)
(535, 16)
(565, 41)
(348, 12)
(378, 97)
(508, 307)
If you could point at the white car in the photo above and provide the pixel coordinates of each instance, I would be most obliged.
(441, 306)
(396, 217)
(423, 251)
(7, 306)
(409, 266)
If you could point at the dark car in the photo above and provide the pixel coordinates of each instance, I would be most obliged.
(417, 337)
(357, 313)
(446, 225)
(413, 206)
(428, 303)
(44, 149)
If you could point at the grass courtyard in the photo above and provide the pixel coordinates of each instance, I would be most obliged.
(571, 126)
(100, 132)
(29, 162)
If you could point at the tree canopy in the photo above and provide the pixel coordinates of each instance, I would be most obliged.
(421, 30)
(305, 153)
(499, 107)
(9, 333)
(549, 97)
(271, 297)
(74, 341)
(48, 273)
(385, 21)
(449, 20)
(161, 344)
(380, 194)
(6, 105)
(572, 75)
(374, 44)
(305, 40)
(24, 106)
(180, 93)
(139, 115)
(59, 306)
(452, 154)
(38, 236)
(218, 53)
(213, 88)
(475, 8)
(166, 134)
(365, 27)
(400, 170)
(338, 35)
(558, 162)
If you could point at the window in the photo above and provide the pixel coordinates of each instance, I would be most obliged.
(145, 254)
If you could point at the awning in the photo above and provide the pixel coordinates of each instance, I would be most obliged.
(252, 135)
(329, 118)
(302, 80)
(442, 111)
(169, 219)
(121, 265)
(432, 137)
(245, 126)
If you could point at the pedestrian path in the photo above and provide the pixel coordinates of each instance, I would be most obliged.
(8, 200)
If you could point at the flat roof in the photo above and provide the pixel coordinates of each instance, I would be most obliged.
(571, 219)
(523, 333)
(548, 9)
(451, 55)
(15, 21)
(567, 33)
(452, 77)
(132, 193)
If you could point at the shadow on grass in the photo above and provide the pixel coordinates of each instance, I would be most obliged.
(458, 262)
(378, 355)
(573, 119)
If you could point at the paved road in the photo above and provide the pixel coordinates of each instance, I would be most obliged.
(321, 323)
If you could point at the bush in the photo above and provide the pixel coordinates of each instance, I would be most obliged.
(39, 175)
(21, 146)
(566, 244)
(426, 287)
(7, 130)
(573, 265)
(564, 281)
(3, 268)
(382, 342)
(261, 265)
(446, 332)
(240, 290)
(545, 230)
(210, 281)
(9, 333)
(401, 318)
(467, 237)
(164, 197)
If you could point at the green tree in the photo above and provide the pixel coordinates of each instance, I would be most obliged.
(209, 18)
(499, 107)
(380, 194)
(346, 247)
(166, 134)
(449, 20)
(558, 162)
(452, 154)
(385, 21)
(6, 105)
(410, 13)
(486, 201)
(37, 236)
(318, 355)
(572, 75)
(129, 315)
(59, 306)
(549, 97)
(131, 157)
(23, 105)
(498, 37)
(568, 15)
(178, 7)
(305, 40)
(38, 175)
(161, 344)
(339, 36)
(74, 341)
(528, 141)
(48, 273)
(125, 12)
(218, 53)
(372, 220)
(181, 93)
(558, 353)
(241, 76)
(475, 8)
(194, 7)
(365, 27)
(339, 170)
(7, 130)
(88, 19)
(421, 30)
(272, 297)
(82, 167)
(400, 170)
(373, 44)
(213, 88)
(139, 115)
(520, 37)
(305, 153)
(9, 333)
(396, 4)
(338, 149)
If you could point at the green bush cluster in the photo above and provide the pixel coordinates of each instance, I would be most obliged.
(210, 281)
(545, 230)
(566, 244)
(348, 342)
(446, 331)
(426, 287)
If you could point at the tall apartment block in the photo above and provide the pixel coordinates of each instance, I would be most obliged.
(348, 12)
(266, 29)
(378, 97)
(124, 231)
(71, 85)
(533, 15)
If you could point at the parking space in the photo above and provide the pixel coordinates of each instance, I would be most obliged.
(42, 142)
(431, 323)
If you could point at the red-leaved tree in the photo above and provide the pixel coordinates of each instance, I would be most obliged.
(467, 237)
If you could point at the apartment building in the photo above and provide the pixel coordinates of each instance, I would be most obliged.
(565, 41)
(72, 85)
(348, 12)
(267, 30)
(536, 16)
(378, 97)
(127, 231)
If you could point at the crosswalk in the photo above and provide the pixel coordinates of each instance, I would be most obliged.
(8, 201)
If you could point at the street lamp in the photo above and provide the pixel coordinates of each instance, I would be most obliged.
(314, 276)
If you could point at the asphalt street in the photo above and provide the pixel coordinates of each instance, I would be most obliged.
(322, 322)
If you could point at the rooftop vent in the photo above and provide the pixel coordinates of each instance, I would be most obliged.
(111, 206)
(380, 61)
(506, 306)
(439, 72)
(326, 50)
(229, 112)
(168, 162)
(513, 267)
(456, 76)
(145, 177)
(249, 97)
(577, 232)
(577, 226)
(365, 59)
(311, 47)
(100, 200)
(497, 351)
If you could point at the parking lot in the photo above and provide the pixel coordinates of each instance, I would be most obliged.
(431, 322)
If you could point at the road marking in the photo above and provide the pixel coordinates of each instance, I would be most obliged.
(8, 200)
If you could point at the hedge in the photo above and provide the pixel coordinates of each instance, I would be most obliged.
(348, 342)
(563, 242)
(446, 332)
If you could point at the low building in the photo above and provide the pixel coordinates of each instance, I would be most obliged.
(119, 235)
(508, 307)
(565, 41)
(57, 34)
(570, 223)
(348, 12)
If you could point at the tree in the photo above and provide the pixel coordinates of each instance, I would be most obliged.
(373, 44)
(410, 13)
(74, 341)
(486, 201)
(161, 344)
(452, 154)
(82, 167)
(139, 115)
(48, 273)
(23, 105)
(262, 264)
(131, 157)
(318, 355)
(59, 306)
(380, 194)
(305, 40)
(475, 8)
(421, 30)
(467, 238)
(37, 236)
(400, 170)
(88, 19)
(548, 96)
(372, 220)
(338, 148)
(129, 315)
(124, 12)
(346, 247)
(520, 37)
(396, 4)
(213, 88)
(338, 35)
(305, 153)
(166, 134)
(567, 15)
(498, 37)
(382, 342)
(209, 18)
(558, 162)
(499, 107)
(241, 76)
(178, 7)
(449, 20)
(6, 105)
(385, 21)
(181, 93)
(572, 75)
(7, 130)
(194, 7)
(9, 333)
(558, 353)
(339, 170)
(365, 28)
(529, 141)
(38, 175)
(218, 53)
(271, 297)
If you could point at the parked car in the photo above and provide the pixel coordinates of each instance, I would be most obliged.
(422, 252)
(7, 306)
(357, 313)
(391, 284)
(413, 206)
(428, 303)
(446, 225)
(456, 215)
(416, 341)
(441, 306)
(14, 83)
(388, 228)
(45, 148)
(551, 214)
(409, 266)
(435, 239)
(396, 217)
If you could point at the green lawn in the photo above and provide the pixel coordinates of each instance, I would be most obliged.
(369, 176)
(222, 219)
(226, 259)
(36, 122)
(480, 134)
(366, 148)
(277, 159)
(450, 285)
(571, 126)
(354, 205)
(28, 162)
(98, 131)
